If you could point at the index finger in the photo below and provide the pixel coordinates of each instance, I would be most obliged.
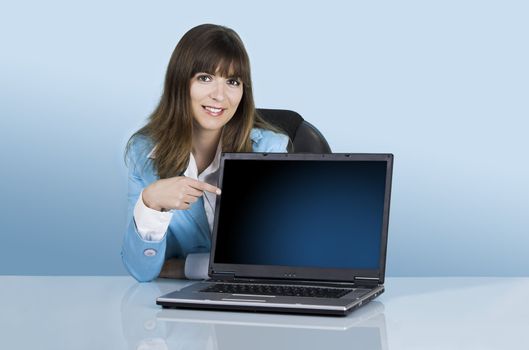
(204, 186)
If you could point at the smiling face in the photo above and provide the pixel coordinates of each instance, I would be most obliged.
(214, 100)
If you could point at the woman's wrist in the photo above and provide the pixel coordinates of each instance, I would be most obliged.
(148, 201)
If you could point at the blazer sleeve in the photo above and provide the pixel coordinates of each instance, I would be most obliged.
(142, 259)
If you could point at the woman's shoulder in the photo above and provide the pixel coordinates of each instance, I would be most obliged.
(139, 147)
(268, 141)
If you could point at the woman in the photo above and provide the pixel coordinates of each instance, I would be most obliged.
(206, 108)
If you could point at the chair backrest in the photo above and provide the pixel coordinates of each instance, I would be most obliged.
(305, 137)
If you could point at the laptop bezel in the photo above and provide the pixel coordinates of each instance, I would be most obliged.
(277, 272)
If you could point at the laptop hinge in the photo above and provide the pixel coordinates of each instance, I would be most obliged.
(224, 276)
(369, 281)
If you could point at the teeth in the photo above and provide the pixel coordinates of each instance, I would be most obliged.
(213, 110)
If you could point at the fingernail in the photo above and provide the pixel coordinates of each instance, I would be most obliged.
(218, 192)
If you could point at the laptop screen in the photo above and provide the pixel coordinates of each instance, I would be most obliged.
(311, 213)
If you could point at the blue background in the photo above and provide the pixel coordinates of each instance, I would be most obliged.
(443, 85)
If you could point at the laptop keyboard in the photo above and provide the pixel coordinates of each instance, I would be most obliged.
(279, 290)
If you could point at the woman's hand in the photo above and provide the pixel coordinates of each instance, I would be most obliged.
(175, 193)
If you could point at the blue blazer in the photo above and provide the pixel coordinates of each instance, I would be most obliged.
(188, 231)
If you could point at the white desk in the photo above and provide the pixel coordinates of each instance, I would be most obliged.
(119, 313)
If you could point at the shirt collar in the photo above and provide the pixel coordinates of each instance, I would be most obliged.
(151, 154)
(192, 169)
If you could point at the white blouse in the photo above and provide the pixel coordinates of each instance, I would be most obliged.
(152, 224)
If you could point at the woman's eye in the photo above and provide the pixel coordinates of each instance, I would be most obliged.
(234, 82)
(204, 77)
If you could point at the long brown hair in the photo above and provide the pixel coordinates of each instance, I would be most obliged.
(206, 48)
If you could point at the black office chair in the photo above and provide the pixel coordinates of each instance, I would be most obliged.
(305, 137)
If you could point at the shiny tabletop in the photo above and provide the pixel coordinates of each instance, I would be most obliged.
(119, 313)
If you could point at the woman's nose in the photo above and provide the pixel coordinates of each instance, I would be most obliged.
(218, 93)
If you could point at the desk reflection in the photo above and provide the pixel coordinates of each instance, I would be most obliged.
(148, 326)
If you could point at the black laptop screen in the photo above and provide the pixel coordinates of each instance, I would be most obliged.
(326, 214)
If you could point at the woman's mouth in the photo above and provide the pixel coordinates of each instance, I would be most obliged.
(213, 111)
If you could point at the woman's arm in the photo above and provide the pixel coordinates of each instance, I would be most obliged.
(142, 258)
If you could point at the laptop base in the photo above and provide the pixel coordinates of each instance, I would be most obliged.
(182, 300)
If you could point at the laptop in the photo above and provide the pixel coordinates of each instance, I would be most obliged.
(296, 233)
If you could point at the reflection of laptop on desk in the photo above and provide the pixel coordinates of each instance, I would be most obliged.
(364, 329)
(296, 233)
(370, 316)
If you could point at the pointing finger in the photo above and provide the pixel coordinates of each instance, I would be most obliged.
(204, 186)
